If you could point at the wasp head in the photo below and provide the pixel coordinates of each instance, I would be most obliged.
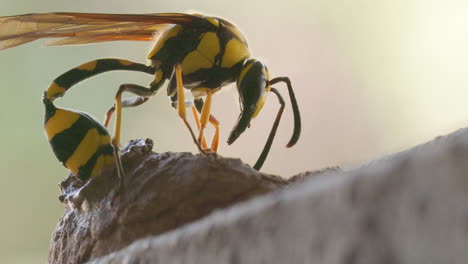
(253, 86)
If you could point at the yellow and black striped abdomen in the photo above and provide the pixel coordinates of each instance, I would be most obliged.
(81, 143)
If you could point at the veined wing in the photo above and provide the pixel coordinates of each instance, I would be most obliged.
(83, 28)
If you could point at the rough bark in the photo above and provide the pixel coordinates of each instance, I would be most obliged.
(160, 193)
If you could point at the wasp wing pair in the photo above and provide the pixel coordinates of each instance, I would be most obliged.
(84, 28)
(194, 52)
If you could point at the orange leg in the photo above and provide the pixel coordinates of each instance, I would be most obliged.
(130, 102)
(205, 114)
(197, 121)
(108, 116)
(214, 122)
(215, 140)
(181, 105)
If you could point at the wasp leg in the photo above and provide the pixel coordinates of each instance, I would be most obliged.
(197, 121)
(215, 141)
(135, 89)
(181, 104)
(142, 97)
(141, 91)
(205, 114)
(215, 123)
(129, 102)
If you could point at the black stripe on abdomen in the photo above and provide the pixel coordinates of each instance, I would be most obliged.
(66, 142)
(84, 172)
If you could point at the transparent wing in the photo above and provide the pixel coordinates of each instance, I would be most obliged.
(83, 28)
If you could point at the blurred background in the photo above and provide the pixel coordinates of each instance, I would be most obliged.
(371, 78)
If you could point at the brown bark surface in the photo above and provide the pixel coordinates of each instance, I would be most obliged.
(161, 191)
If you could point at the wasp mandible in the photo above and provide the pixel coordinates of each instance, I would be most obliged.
(191, 51)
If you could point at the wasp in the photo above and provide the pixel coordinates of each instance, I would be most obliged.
(198, 53)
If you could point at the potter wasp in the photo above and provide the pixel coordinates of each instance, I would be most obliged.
(193, 52)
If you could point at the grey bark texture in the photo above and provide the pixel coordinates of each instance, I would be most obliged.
(406, 208)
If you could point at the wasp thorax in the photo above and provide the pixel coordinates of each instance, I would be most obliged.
(252, 85)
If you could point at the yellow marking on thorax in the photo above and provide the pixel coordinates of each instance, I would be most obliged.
(54, 90)
(203, 57)
(209, 45)
(237, 33)
(169, 33)
(101, 162)
(85, 150)
(234, 53)
(89, 66)
(213, 21)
